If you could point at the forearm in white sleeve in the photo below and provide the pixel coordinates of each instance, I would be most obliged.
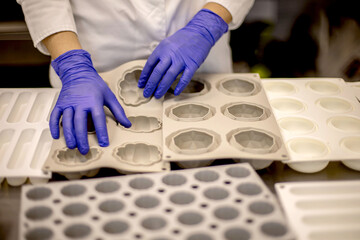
(46, 17)
(238, 9)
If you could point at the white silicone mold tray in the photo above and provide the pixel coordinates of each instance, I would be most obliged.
(24, 133)
(137, 149)
(224, 202)
(322, 210)
(319, 119)
(228, 117)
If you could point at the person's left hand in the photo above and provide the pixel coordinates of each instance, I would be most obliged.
(184, 51)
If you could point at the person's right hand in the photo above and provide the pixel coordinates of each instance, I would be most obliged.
(83, 92)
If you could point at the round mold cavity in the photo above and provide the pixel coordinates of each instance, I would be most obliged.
(287, 105)
(111, 206)
(73, 190)
(144, 124)
(248, 112)
(297, 125)
(147, 202)
(75, 209)
(351, 144)
(308, 167)
(250, 189)
(138, 154)
(261, 207)
(190, 218)
(194, 88)
(182, 198)
(129, 92)
(77, 231)
(141, 183)
(116, 227)
(38, 193)
(238, 87)
(274, 229)
(190, 112)
(323, 87)
(216, 193)
(174, 179)
(38, 213)
(39, 233)
(334, 105)
(206, 176)
(193, 141)
(226, 213)
(237, 234)
(237, 172)
(72, 157)
(279, 88)
(308, 148)
(253, 141)
(153, 223)
(345, 124)
(199, 236)
(107, 187)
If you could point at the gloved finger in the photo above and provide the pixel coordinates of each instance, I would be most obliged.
(98, 116)
(168, 79)
(112, 103)
(68, 128)
(54, 122)
(184, 81)
(148, 68)
(156, 76)
(80, 123)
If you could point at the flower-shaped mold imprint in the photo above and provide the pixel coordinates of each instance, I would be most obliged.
(238, 87)
(193, 141)
(245, 112)
(195, 87)
(72, 157)
(138, 153)
(253, 140)
(129, 92)
(143, 124)
(190, 112)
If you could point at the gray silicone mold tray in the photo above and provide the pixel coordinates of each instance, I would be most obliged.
(322, 210)
(223, 202)
(319, 119)
(24, 133)
(228, 117)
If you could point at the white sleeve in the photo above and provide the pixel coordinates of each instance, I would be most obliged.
(238, 9)
(46, 17)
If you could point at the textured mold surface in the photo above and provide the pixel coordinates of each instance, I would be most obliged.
(129, 92)
(74, 157)
(190, 112)
(312, 207)
(245, 112)
(138, 154)
(222, 202)
(238, 87)
(144, 124)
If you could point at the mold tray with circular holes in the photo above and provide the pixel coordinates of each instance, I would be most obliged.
(223, 202)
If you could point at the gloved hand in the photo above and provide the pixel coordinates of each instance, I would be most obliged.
(83, 92)
(184, 51)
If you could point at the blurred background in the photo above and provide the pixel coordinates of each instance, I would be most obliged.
(279, 38)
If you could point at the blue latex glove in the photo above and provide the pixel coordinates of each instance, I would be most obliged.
(184, 51)
(83, 92)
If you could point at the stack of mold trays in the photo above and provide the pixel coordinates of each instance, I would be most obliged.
(322, 210)
(136, 149)
(221, 116)
(24, 134)
(223, 202)
(319, 119)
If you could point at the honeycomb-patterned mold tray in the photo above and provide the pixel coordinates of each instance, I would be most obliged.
(229, 116)
(223, 202)
(322, 210)
(25, 138)
(319, 119)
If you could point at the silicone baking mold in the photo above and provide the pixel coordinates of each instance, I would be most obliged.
(223, 202)
(137, 149)
(24, 133)
(319, 119)
(322, 210)
(228, 117)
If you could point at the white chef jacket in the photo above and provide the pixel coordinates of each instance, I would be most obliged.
(118, 31)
